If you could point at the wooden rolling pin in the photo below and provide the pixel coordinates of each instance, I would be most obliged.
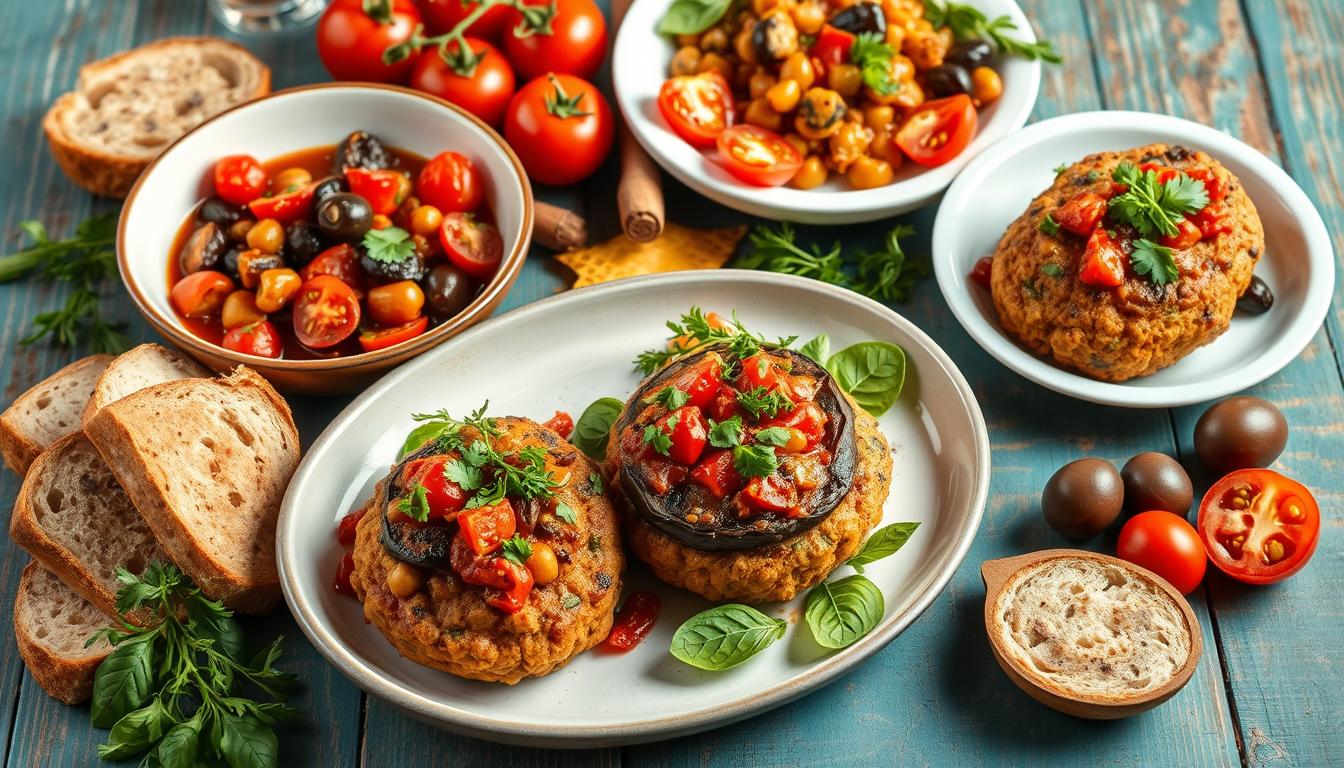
(559, 229)
(639, 193)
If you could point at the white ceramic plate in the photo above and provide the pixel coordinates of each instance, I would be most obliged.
(563, 353)
(640, 61)
(1298, 263)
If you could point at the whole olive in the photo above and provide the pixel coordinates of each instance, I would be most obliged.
(360, 150)
(948, 80)
(328, 187)
(230, 260)
(344, 216)
(216, 210)
(1257, 298)
(861, 17)
(203, 250)
(448, 291)
(301, 243)
(970, 54)
(1156, 481)
(1082, 498)
(1240, 432)
(382, 271)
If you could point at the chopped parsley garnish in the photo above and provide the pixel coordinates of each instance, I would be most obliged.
(872, 55)
(727, 433)
(1062, 167)
(755, 460)
(1052, 270)
(698, 331)
(517, 549)
(467, 477)
(670, 397)
(1031, 289)
(773, 436)
(570, 601)
(566, 513)
(659, 440)
(595, 483)
(763, 402)
(415, 506)
(392, 245)
(1152, 207)
(1049, 226)
(1154, 262)
(494, 474)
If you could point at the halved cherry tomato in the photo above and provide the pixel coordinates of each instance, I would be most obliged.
(724, 405)
(759, 370)
(374, 340)
(473, 246)
(1212, 221)
(686, 427)
(345, 532)
(450, 183)
(832, 46)
(1103, 262)
(716, 474)
(771, 493)
(697, 107)
(1215, 185)
(939, 130)
(701, 384)
(343, 570)
(1187, 234)
(339, 261)
(1081, 213)
(982, 272)
(561, 424)
(444, 496)
(1259, 526)
(1165, 544)
(634, 621)
(326, 312)
(285, 207)
(240, 179)
(381, 187)
(201, 294)
(758, 156)
(484, 529)
(259, 338)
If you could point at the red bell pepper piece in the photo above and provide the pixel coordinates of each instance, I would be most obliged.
(716, 474)
(484, 529)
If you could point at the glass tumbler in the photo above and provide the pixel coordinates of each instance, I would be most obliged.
(262, 16)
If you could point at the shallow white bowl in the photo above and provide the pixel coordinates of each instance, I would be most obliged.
(1298, 263)
(640, 61)
(561, 354)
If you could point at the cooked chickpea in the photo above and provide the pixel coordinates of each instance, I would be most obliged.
(715, 40)
(797, 442)
(759, 113)
(686, 61)
(868, 172)
(809, 16)
(848, 144)
(878, 116)
(895, 35)
(812, 173)
(926, 50)
(685, 40)
(759, 83)
(267, 236)
(238, 230)
(276, 288)
(798, 143)
(844, 79)
(404, 580)
(715, 62)
(425, 220)
(909, 96)
(742, 76)
(240, 309)
(290, 178)
(542, 564)
(820, 113)
(742, 43)
(882, 146)
(986, 85)
(380, 221)
(784, 95)
(798, 68)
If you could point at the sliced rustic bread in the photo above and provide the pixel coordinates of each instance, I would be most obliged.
(1084, 626)
(72, 516)
(135, 369)
(49, 411)
(51, 624)
(207, 461)
(127, 108)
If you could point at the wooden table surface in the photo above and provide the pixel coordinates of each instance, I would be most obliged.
(1270, 686)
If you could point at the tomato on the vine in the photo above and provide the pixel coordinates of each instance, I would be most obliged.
(352, 35)
(575, 46)
(560, 127)
(450, 183)
(1259, 526)
(442, 15)
(1167, 545)
(480, 81)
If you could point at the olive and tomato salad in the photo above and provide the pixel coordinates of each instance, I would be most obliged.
(333, 251)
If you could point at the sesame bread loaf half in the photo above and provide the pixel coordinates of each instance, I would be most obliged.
(127, 108)
(135, 369)
(207, 461)
(47, 412)
(51, 625)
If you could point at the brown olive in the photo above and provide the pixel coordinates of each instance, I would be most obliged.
(448, 291)
(204, 249)
(1156, 481)
(328, 187)
(1257, 298)
(360, 150)
(1240, 432)
(1082, 498)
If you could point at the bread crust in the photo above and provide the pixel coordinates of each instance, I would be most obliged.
(69, 681)
(100, 396)
(17, 446)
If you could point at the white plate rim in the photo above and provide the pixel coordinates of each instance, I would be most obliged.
(460, 720)
(1306, 322)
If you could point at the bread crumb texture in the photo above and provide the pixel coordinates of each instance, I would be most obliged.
(1093, 629)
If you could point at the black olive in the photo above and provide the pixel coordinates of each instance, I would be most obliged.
(301, 243)
(382, 272)
(344, 216)
(328, 187)
(861, 17)
(230, 261)
(448, 291)
(360, 150)
(1257, 299)
(970, 54)
(948, 80)
(203, 250)
(774, 37)
(219, 211)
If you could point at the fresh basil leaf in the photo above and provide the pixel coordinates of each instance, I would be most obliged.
(841, 612)
(121, 683)
(135, 732)
(430, 430)
(886, 541)
(691, 17)
(178, 747)
(872, 372)
(593, 429)
(725, 636)
(246, 743)
(223, 629)
(818, 349)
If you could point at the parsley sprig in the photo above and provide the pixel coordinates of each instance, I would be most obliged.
(490, 473)
(872, 55)
(968, 22)
(1152, 207)
(391, 245)
(886, 274)
(760, 401)
(170, 689)
(699, 332)
(1154, 261)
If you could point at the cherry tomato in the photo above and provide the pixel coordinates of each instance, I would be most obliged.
(1165, 544)
(484, 529)
(983, 271)
(1259, 526)
(326, 312)
(771, 493)
(342, 581)
(1081, 213)
(634, 621)
(1103, 262)
(701, 384)
(758, 156)
(939, 130)
(716, 474)
(809, 419)
(686, 426)
(285, 207)
(473, 246)
(240, 179)
(396, 303)
(201, 294)
(351, 40)
(697, 107)
(576, 45)
(560, 127)
(561, 424)
(383, 188)
(345, 532)
(442, 15)
(444, 496)
(260, 339)
(832, 45)
(1187, 234)
(372, 341)
(484, 93)
(339, 261)
(450, 183)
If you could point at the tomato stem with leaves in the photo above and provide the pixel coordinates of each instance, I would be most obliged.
(536, 20)
(561, 104)
(379, 10)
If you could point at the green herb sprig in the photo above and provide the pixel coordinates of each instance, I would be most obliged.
(1153, 207)
(872, 55)
(391, 245)
(1155, 262)
(695, 327)
(968, 22)
(593, 429)
(886, 274)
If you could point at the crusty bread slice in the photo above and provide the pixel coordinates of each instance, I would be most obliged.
(51, 624)
(135, 369)
(72, 516)
(207, 461)
(1083, 626)
(127, 108)
(47, 412)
